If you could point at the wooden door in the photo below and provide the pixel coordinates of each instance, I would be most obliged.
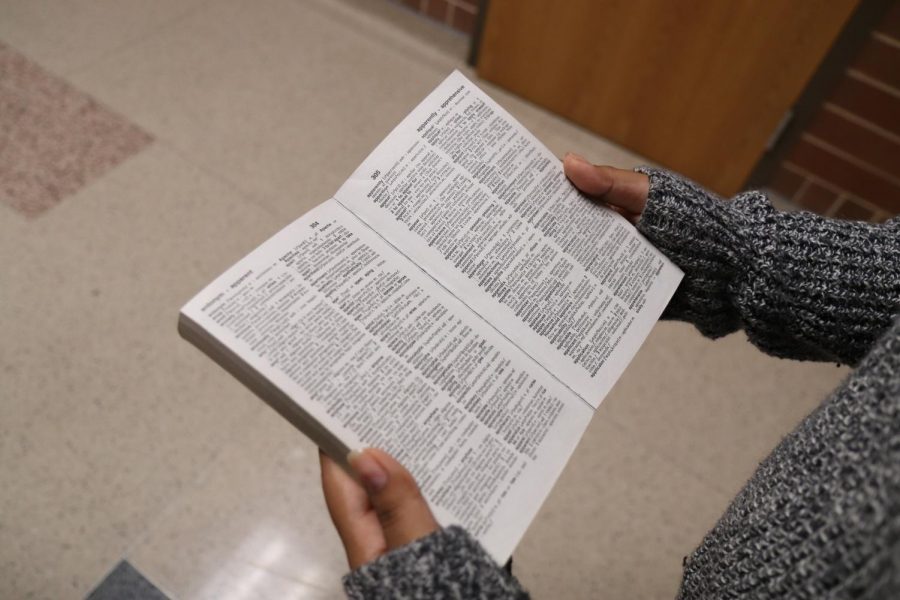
(698, 86)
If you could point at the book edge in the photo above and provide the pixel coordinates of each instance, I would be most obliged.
(263, 388)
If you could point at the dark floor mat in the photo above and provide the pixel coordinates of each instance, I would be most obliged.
(126, 583)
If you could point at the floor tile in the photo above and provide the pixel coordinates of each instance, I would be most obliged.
(55, 559)
(276, 96)
(716, 408)
(256, 526)
(106, 413)
(64, 35)
(399, 29)
(55, 138)
(617, 524)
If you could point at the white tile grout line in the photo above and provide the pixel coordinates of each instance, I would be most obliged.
(875, 83)
(830, 186)
(886, 39)
(836, 205)
(807, 183)
(815, 141)
(862, 122)
(798, 195)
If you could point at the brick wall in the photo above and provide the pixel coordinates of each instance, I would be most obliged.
(846, 163)
(458, 14)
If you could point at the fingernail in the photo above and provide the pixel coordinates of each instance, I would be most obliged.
(575, 157)
(370, 472)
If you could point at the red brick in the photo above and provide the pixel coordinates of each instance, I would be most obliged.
(868, 102)
(873, 148)
(890, 24)
(845, 175)
(816, 198)
(463, 20)
(880, 61)
(786, 182)
(851, 211)
(468, 5)
(437, 10)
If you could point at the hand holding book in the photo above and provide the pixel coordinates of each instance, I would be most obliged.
(458, 304)
(623, 191)
(385, 509)
(382, 511)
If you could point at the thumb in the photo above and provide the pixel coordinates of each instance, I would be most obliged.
(620, 188)
(402, 510)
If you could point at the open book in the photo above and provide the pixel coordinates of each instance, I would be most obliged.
(457, 303)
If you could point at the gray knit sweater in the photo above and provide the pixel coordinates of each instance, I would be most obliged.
(820, 518)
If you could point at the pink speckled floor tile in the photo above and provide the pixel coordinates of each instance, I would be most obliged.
(53, 138)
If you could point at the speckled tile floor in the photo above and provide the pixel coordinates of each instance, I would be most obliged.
(55, 138)
(117, 440)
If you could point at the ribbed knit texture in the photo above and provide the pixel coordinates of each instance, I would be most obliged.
(800, 285)
(820, 518)
(446, 564)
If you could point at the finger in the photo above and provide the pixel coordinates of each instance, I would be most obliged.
(617, 187)
(353, 516)
(402, 510)
(345, 498)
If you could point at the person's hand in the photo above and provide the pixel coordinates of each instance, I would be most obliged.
(622, 190)
(385, 512)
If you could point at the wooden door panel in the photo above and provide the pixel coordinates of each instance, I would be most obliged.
(696, 85)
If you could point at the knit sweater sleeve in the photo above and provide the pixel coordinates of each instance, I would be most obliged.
(448, 564)
(801, 285)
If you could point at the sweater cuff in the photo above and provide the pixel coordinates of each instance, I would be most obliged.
(448, 563)
(800, 285)
(696, 231)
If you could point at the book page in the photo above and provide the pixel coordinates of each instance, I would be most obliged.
(381, 355)
(485, 208)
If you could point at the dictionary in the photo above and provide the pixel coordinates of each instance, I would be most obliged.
(456, 303)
